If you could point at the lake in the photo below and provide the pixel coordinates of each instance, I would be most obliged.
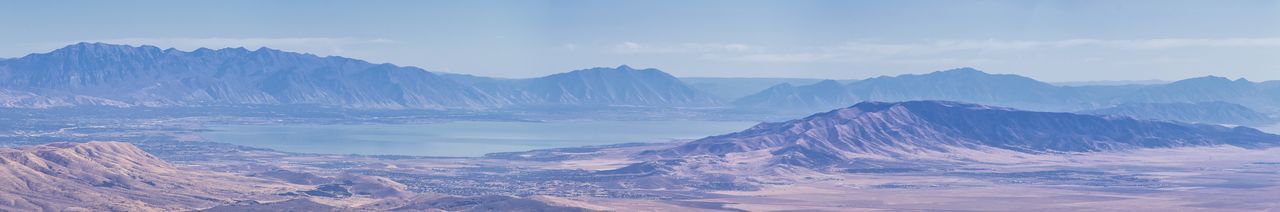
(461, 139)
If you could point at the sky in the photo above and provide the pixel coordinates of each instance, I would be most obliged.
(1048, 40)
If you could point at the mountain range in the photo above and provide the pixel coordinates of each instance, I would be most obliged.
(594, 87)
(916, 129)
(732, 88)
(97, 74)
(972, 85)
(964, 84)
(123, 76)
(1200, 112)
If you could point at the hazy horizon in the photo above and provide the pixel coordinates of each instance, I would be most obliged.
(915, 72)
(1058, 41)
(579, 105)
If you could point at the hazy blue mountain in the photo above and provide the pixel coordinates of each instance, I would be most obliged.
(822, 95)
(964, 84)
(121, 76)
(970, 85)
(1110, 83)
(594, 87)
(615, 86)
(1201, 112)
(732, 88)
(149, 76)
(1211, 88)
(901, 129)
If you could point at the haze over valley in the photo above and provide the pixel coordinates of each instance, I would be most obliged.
(640, 106)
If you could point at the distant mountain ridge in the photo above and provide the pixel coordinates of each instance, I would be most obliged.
(963, 84)
(149, 76)
(120, 76)
(97, 74)
(598, 86)
(1201, 112)
(972, 85)
(621, 84)
(732, 88)
(824, 94)
(1211, 88)
(914, 128)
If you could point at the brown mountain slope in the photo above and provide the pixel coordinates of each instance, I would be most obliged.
(99, 176)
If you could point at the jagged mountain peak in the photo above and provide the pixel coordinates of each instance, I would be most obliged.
(89, 50)
(147, 75)
(97, 45)
(124, 75)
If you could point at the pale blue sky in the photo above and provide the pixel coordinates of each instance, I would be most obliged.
(1049, 40)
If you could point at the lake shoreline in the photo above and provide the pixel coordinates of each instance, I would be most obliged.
(460, 138)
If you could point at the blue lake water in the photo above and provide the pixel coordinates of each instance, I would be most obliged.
(465, 138)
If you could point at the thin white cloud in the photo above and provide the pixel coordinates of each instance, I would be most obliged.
(637, 48)
(953, 45)
(1217, 43)
(863, 51)
(771, 57)
(569, 46)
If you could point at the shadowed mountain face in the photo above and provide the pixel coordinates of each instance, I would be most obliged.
(903, 129)
(119, 75)
(1201, 112)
